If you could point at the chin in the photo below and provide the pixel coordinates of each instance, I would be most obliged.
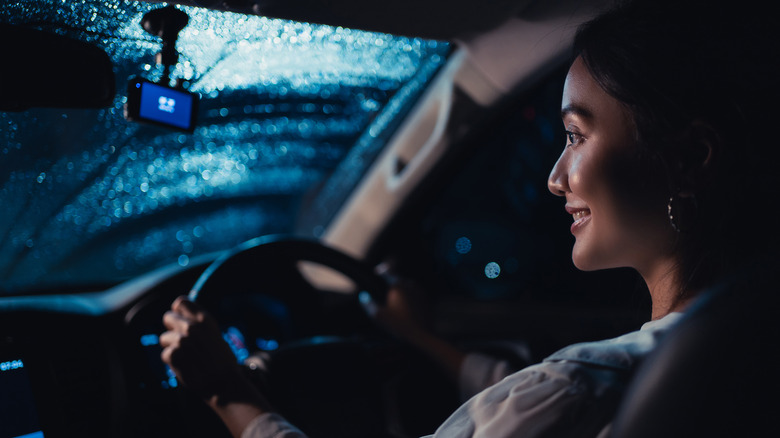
(584, 266)
(580, 259)
(587, 261)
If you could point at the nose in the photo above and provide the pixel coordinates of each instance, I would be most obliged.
(558, 181)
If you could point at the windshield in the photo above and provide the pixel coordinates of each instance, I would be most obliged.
(291, 114)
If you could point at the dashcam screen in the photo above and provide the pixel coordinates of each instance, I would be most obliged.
(165, 105)
(18, 416)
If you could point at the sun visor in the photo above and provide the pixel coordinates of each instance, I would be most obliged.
(523, 49)
(46, 70)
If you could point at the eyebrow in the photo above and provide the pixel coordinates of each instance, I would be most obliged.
(576, 110)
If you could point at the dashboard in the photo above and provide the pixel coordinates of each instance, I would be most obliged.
(64, 373)
(84, 364)
(89, 364)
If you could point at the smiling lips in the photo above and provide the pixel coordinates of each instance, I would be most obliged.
(580, 216)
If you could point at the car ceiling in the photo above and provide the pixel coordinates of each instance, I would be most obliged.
(434, 19)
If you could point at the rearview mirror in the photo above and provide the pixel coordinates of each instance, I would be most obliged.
(43, 69)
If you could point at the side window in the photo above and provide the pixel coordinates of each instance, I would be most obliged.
(495, 233)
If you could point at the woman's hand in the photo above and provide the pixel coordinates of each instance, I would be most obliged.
(194, 349)
(402, 316)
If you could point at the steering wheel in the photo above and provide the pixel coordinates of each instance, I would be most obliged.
(282, 250)
(267, 271)
(322, 372)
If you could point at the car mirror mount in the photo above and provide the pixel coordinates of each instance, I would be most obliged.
(166, 23)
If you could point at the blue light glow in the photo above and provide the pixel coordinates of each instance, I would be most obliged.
(172, 382)
(267, 344)
(492, 270)
(148, 340)
(38, 434)
(11, 365)
(463, 245)
(165, 105)
(235, 339)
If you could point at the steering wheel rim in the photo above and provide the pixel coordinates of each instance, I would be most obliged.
(237, 272)
(295, 250)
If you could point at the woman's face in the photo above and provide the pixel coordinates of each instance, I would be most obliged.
(615, 194)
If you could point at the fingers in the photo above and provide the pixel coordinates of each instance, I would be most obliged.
(188, 309)
(170, 338)
(173, 353)
(175, 321)
(183, 313)
(169, 347)
(184, 318)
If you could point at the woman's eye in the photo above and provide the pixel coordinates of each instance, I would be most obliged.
(573, 138)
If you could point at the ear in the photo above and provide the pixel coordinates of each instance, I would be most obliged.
(696, 156)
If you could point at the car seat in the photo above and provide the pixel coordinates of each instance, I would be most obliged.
(716, 373)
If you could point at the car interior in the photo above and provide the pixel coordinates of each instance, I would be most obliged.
(325, 148)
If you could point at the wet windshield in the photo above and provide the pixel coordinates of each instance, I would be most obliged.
(291, 115)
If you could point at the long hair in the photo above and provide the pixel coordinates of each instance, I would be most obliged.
(676, 64)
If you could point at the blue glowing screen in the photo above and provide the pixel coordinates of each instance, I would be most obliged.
(165, 105)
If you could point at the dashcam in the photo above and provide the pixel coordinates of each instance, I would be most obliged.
(160, 105)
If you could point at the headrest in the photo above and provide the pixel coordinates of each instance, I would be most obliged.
(716, 373)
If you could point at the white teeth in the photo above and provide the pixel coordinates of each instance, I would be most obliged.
(580, 214)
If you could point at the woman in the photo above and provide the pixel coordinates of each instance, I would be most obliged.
(666, 168)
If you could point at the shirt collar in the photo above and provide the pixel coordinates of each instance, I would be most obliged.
(622, 352)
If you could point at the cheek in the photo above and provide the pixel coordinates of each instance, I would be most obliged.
(621, 188)
(597, 181)
(637, 192)
(620, 184)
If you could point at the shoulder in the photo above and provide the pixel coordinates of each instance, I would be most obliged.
(622, 353)
(550, 399)
(574, 392)
(271, 425)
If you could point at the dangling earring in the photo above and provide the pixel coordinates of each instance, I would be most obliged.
(682, 215)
